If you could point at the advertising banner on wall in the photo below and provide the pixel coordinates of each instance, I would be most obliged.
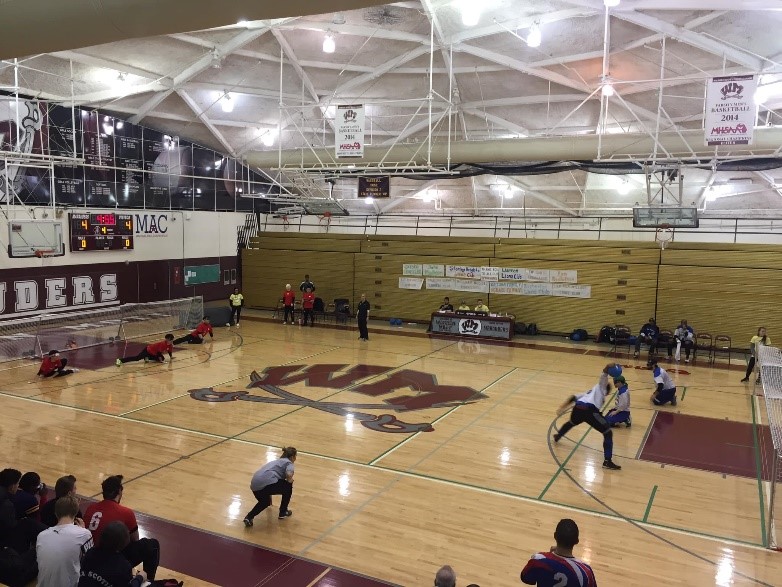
(349, 131)
(730, 110)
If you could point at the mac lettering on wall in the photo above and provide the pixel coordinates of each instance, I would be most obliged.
(152, 225)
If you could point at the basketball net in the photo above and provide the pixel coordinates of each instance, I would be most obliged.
(285, 222)
(325, 219)
(664, 235)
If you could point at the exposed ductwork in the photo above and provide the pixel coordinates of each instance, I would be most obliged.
(30, 27)
(576, 148)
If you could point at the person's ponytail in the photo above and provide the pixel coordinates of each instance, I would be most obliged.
(288, 452)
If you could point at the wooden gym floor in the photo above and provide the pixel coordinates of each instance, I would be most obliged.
(480, 486)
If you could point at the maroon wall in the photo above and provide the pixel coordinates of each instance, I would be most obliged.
(73, 287)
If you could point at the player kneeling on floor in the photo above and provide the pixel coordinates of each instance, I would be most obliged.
(587, 408)
(666, 389)
(53, 366)
(153, 352)
(620, 414)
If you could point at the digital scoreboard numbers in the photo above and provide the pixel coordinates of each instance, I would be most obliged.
(101, 232)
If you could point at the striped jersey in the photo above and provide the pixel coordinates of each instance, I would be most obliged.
(547, 569)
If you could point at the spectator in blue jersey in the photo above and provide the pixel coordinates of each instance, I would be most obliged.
(649, 334)
(558, 566)
(620, 414)
(683, 336)
(587, 408)
(666, 389)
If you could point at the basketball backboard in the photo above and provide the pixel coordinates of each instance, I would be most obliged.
(33, 238)
(660, 217)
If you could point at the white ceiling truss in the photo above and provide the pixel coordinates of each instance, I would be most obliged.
(430, 82)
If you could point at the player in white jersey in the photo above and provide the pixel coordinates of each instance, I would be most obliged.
(666, 388)
(588, 408)
(620, 413)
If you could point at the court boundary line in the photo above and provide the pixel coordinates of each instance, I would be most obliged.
(646, 435)
(640, 526)
(759, 473)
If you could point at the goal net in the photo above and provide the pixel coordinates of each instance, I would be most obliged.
(769, 361)
(34, 337)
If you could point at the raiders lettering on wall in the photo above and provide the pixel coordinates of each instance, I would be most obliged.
(426, 393)
(53, 293)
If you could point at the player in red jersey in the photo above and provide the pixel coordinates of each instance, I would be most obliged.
(144, 551)
(198, 335)
(307, 304)
(53, 366)
(152, 352)
(558, 567)
(288, 302)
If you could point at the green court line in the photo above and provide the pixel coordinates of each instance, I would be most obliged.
(649, 505)
(759, 469)
(684, 391)
(562, 466)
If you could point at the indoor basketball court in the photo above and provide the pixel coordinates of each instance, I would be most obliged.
(482, 485)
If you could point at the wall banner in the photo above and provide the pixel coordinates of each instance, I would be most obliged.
(349, 131)
(730, 110)
(411, 283)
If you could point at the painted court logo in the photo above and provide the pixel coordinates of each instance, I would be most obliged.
(421, 392)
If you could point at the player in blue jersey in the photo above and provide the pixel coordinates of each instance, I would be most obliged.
(620, 414)
(588, 408)
(558, 567)
(666, 388)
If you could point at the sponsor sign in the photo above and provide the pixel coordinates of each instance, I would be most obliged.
(490, 273)
(434, 270)
(730, 110)
(463, 271)
(439, 283)
(571, 291)
(349, 131)
(412, 269)
(411, 282)
(485, 327)
(538, 274)
(513, 274)
(558, 276)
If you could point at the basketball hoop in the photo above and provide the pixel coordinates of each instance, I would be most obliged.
(41, 253)
(285, 222)
(326, 217)
(664, 235)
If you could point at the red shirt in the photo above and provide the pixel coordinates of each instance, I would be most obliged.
(309, 300)
(49, 365)
(288, 297)
(101, 514)
(159, 348)
(203, 329)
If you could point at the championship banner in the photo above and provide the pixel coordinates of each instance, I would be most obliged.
(374, 187)
(730, 110)
(349, 131)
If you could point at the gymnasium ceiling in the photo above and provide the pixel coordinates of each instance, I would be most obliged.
(658, 54)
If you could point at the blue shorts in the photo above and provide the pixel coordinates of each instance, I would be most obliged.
(665, 396)
(618, 417)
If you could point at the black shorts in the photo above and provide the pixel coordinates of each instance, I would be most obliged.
(591, 416)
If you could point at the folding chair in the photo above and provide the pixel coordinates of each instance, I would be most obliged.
(622, 335)
(722, 344)
(278, 310)
(703, 342)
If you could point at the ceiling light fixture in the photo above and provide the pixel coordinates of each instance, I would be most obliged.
(269, 137)
(624, 187)
(119, 124)
(508, 192)
(329, 44)
(610, 3)
(369, 200)
(227, 102)
(534, 37)
(471, 12)
(608, 89)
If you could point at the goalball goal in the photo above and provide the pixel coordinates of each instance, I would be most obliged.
(769, 368)
(34, 337)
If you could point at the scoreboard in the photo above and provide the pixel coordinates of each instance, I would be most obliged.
(101, 232)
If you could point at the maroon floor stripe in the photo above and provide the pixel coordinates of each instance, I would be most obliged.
(708, 444)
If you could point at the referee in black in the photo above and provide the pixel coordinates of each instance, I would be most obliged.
(363, 316)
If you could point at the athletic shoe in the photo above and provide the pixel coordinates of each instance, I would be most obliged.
(247, 522)
(237, 325)
(686, 360)
(285, 514)
(557, 436)
(629, 422)
(673, 401)
(635, 355)
(745, 380)
(118, 363)
(611, 465)
(75, 370)
(146, 360)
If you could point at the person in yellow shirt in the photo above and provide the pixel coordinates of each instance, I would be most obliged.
(464, 306)
(757, 341)
(481, 307)
(236, 301)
